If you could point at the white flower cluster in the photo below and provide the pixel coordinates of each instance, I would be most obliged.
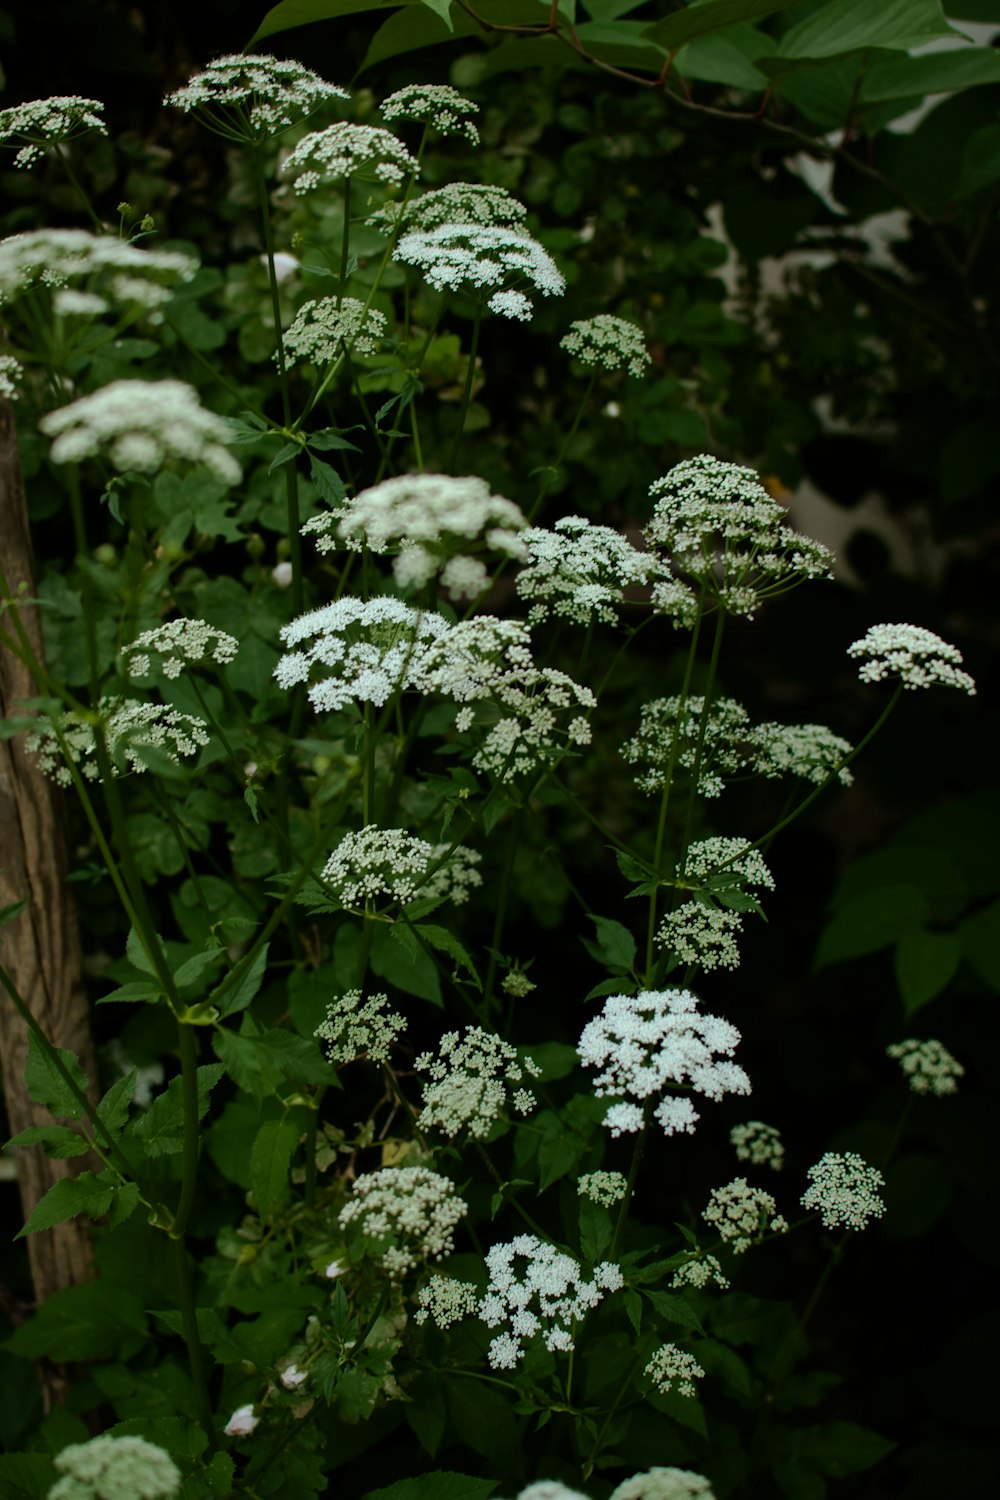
(548, 1300)
(128, 728)
(671, 1368)
(177, 644)
(721, 527)
(700, 1271)
(115, 1468)
(725, 856)
(471, 1074)
(262, 94)
(808, 750)
(759, 1144)
(359, 1028)
(483, 257)
(603, 1188)
(742, 1214)
(917, 657)
(321, 330)
(143, 424)
(666, 736)
(445, 1301)
(702, 935)
(390, 862)
(126, 276)
(665, 1484)
(517, 984)
(43, 122)
(437, 105)
(580, 571)
(845, 1190)
(608, 343)
(928, 1066)
(431, 519)
(410, 1212)
(455, 203)
(647, 1042)
(345, 150)
(11, 375)
(366, 651)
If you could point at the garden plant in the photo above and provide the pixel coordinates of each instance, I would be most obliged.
(391, 1164)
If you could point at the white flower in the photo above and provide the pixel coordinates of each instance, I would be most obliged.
(436, 104)
(178, 643)
(345, 150)
(603, 1188)
(917, 657)
(143, 424)
(845, 1190)
(668, 738)
(702, 935)
(808, 750)
(377, 861)
(720, 526)
(11, 375)
(115, 1468)
(455, 203)
(282, 574)
(322, 330)
(334, 1269)
(550, 1489)
(647, 1042)
(742, 1215)
(672, 1368)
(43, 122)
(545, 1302)
(759, 1144)
(409, 1211)
(366, 651)
(242, 1422)
(480, 258)
(699, 1271)
(727, 857)
(580, 571)
(355, 1028)
(292, 1377)
(123, 274)
(251, 97)
(434, 520)
(928, 1066)
(128, 727)
(445, 1301)
(665, 1484)
(608, 343)
(469, 1082)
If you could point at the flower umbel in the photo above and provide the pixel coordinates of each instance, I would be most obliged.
(115, 1468)
(409, 1213)
(345, 150)
(118, 274)
(916, 657)
(665, 1484)
(483, 258)
(437, 105)
(742, 1215)
(445, 1301)
(928, 1066)
(674, 1369)
(602, 1188)
(46, 122)
(607, 343)
(251, 97)
(177, 644)
(579, 571)
(469, 1078)
(129, 726)
(375, 862)
(360, 1028)
(365, 650)
(323, 330)
(546, 1302)
(759, 1144)
(845, 1190)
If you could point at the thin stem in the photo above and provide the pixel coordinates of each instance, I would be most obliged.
(550, 476)
(470, 375)
(79, 189)
(500, 916)
(633, 1172)
(706, 703)
(192, 1338)
(345, 241)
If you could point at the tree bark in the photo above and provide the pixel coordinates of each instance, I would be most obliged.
(41, 946)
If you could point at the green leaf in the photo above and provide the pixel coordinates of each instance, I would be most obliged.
(27, 1476)
(624, 44)
(161, 1128)
(445, 942)
(113, 1108)
(905, 77)
(727, 57)
(8, 913)
(559, 1153)
(925, 964)
(239, 995)
(980, 168)
(871, 921)
(137, 955)
(290, 13)
(843, 26)
(248, 1061)
(682, 26)
(397, 957)
(836, 1448)
(331, 437)
(192, 969)
(979, 936)
(674, 1309)
(46, 1085)
(633, 1308)
(56, 1140)
(329, 485)
(284, 455)
(596, 1230)
(270, 1158)
(615, 942)
(634, 869)
(442, 1484)
(96, 1320)
(441, 8)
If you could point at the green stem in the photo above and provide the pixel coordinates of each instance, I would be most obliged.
(189, 1319)
(633, 1172)
(550, 476)
(706, 703)
(470, 375)
(345, 241)
(79, 189)
(500, 916)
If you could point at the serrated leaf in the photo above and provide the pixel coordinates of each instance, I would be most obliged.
(59, 1141)
(284, 455)
(633, 869)
(327, 481)
(270, 1159)
(675, 1309)
(615, 942)
(46, 1085)
(88, 1193)
(161, 1128)
(445, 942)
(331, 437)
(239, 995)
(192, 969)
(113, 1108)
(95, 1320)
(633, 1308)
(137, 955)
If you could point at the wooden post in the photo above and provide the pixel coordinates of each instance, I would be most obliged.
(41, 946)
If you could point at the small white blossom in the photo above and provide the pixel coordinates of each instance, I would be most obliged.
(120, 274)
(668, 737)
(292, 1377)
(282, 574)
(143, 424)
(580, 571)
(808, 750)
(550, 1489)
(602, 1188)
(545, 1302)
(252, 97)
(607, 343)
(445, 1301)
(355, 1028)
(703, 935)
(44, 122)
(674, 1369)
(665, 1484)
(322, 330)
(759, 1144)
(334, 1269)
(129, 726)
(845, 1190)
(469, 1077)
(725, 856)
(115, 1468)
(437, 105)
(480, 258)
(928, 1066)
(916, 657)
(365, 651)
(409, 1211)
(676, 600)
(375, 862)
(11, 375)
(345, 150)
(647, 1042)
(177, 644)
(517, 984)
(700, 1271)
(455, 203)
(242, 1422)
(742, 1214)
